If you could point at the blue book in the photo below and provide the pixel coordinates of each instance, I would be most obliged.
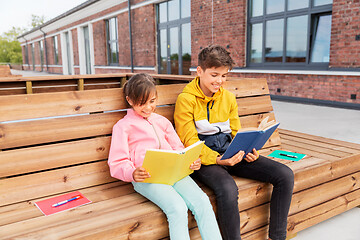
(250, 139)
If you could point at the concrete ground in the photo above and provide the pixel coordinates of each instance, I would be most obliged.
(337, 123)
(30, 73)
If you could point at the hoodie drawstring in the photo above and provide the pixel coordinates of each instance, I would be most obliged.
(208, 110)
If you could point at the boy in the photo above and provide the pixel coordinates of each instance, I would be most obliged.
(206, 111)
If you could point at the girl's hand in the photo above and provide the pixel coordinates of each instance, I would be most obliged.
(196, 165)
(251, 157)
(140, 174)
(231, 161)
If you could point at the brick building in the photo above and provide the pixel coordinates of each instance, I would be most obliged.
(308, 50)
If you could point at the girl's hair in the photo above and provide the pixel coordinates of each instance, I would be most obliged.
(139, 87)
(215, 56)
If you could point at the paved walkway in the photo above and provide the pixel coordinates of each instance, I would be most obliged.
(337, 123)
(30, 73)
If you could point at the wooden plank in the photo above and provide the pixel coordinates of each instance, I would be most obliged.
(314, 147)
(321, 139)
(314, 142)
(47, 183)
(39, 158)
(292, 148)
(29, 88)
(28, 133)
(62, 77)
(247, 86)
(254, 105)
(54, 89)
(103, 193)
(96, 218)
(15, 134)
(4, 91)
(57, 104)
(81, 84)
(323, 211)
(305, 199)
(255, 119)
(251, 219)
(26, 210)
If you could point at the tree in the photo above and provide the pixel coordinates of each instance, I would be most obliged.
(10, 49)
(37, 20)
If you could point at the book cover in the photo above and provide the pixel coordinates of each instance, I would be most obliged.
(62, 203)
(168, 166)
(250, 139)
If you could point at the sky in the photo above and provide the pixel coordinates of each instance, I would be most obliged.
(18, 13)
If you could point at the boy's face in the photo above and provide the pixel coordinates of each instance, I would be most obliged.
(212, 79)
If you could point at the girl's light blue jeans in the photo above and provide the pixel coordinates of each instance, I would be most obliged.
(175, 201)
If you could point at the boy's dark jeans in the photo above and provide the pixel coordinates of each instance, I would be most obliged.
(218, 178)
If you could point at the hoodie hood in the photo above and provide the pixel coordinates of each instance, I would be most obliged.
(193, 88)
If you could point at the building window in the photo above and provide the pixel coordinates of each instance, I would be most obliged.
(26, 54)
(41, 52)
(112, 41)
(289, 33)
(174, 36)
(33, 55)
(56, 50)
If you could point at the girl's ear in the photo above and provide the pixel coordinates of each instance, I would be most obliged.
(129, 101)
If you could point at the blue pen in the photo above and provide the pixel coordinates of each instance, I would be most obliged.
(65, 201)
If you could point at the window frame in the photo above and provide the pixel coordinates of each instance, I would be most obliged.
(166, 26)
(109, 42)
(26, 54)
(56, 50)
(311, 11)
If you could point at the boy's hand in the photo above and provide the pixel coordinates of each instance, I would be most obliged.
(251, 157)
(231, 161)
(140, 174)
(196, 165)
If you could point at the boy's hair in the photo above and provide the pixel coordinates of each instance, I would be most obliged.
(139, 87)
(215, 56)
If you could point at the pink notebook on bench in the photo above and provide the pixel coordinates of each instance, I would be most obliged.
(62, 203)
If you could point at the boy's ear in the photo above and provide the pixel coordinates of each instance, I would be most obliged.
(199, 70)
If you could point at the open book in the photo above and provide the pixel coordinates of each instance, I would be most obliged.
(169, 166)
(249, 138)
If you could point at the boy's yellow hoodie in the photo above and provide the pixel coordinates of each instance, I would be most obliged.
(196, 114)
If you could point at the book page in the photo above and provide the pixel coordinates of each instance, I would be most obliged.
(169, 167)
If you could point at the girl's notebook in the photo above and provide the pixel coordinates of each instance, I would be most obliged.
(62, 203)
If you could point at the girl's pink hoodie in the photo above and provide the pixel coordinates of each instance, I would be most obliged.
(132, 136)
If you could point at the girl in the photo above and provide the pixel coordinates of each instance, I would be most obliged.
(143, 129)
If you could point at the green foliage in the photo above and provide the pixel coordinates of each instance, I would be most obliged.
(10, 49)
(13, 33)
(37, 20)
(186, 57)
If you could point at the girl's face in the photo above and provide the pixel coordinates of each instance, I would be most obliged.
(146, 109)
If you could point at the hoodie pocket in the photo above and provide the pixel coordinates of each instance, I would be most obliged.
(218, 142)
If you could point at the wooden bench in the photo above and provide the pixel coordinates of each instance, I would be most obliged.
(54, 143)
(5, 71)
(61, 83)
